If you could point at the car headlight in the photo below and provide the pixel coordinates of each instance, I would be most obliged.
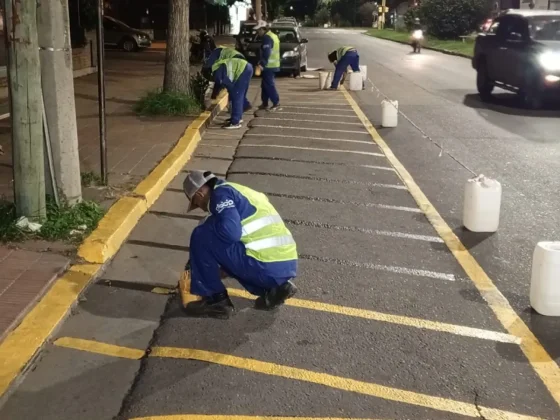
(251, 54)
(550, 60)
(290, 54)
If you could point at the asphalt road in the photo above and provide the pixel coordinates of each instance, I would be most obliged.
(386, 324)
(440, 110)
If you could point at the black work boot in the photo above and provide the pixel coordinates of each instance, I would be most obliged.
(218, 306)
(276, 296)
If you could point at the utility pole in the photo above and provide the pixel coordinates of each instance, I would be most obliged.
(24, 76)
(53, 25)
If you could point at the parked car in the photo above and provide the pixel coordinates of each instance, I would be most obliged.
(293, 49)
(119, 34)
(285, 20)
(246, 34)
(520, 53)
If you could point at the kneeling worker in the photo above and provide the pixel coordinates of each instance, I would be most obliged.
(243, 237)
(342, 58)
(235, 75)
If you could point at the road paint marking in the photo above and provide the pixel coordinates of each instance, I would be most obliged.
(406, 321)
(283, 127)
(98, 347)
(349, 111)
(369, 143)
(281, 146)
(382, 168)
(334, 201)
(338, 382)
(221, 145)
(380, 267)
(545, 367)
(317, 178)
(235, 417)
(338, 105)
(315, 114)
(311, 121)
(401, 235)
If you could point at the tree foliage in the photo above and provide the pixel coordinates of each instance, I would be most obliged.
(366, 13)
(447, 19)
(409, 16)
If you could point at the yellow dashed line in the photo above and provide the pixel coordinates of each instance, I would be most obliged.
(273, 369)
(393, 319)
(540, 360)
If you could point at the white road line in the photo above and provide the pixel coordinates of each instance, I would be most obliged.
(410, 236)
(338, 105)
(318, 115)
(414, 272)
(357, 152)
(311, 121)
(352, 113)
(400, 208)
(310, 129)
(313, 138)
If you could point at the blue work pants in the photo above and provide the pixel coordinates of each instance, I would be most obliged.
(352, 59)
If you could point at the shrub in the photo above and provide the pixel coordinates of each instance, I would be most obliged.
(409, 16)
(448, 19)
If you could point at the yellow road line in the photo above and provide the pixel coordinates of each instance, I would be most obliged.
(540, 360)
(337, 382)
(393, 319)
(228, 417)
(98, 347)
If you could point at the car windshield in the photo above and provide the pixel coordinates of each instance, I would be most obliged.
(285, 35)
(545, 28)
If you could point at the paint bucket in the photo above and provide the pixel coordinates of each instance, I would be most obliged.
(389, 113)
(481, 205)
(356, 81)
(323, 79)
(545, 279)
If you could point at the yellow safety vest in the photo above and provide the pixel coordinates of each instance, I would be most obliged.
(235, 66)
(264, 234)
(274, 58)
(229, 53)
(343, 50)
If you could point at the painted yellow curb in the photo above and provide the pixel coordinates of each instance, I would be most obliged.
(22, 344)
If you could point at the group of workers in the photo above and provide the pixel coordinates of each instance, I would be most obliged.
(243, 236)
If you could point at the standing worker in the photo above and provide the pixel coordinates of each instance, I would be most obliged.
(235, 75)
(243, 237)
(342, 58)
(269, 64)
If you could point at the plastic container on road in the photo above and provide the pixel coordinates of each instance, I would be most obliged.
(481, 206)
(389, 113)
(323, 79)
(356, 81)
(363, 71)
(329, 80)
(545, 279)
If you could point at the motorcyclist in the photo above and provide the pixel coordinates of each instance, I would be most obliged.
(417, 25)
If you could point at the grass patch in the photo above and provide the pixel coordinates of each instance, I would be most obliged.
(456, 46)
(91, 179)
(62, 223)
(158, 102)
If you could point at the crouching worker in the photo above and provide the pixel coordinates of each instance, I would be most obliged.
(243, 237)
(218, 54)
(342, 58)
(235, 75)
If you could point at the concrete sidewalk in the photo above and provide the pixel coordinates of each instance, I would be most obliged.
(386, 325)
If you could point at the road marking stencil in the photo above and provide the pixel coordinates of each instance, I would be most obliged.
(282, 146)
(543, 364)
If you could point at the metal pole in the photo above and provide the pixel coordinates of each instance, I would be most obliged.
(101, 92)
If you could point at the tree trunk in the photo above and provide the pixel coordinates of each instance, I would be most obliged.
(26, 105)
(177, 74)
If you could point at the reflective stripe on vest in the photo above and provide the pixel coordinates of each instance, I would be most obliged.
(235, 67)
(264, 234)
(274, 58)
(229, 53)
(343, 50)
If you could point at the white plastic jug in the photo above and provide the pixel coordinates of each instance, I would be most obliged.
(481, 206)
(389, 113)
(323, 79)
(356, 81)
(545, 279)
(363, 71)
(328, 83)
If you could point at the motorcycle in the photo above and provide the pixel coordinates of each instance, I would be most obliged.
(202, 46)
(417, 37)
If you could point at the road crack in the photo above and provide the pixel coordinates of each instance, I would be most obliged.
(477, 405)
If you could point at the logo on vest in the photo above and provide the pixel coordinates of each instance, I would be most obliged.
(227, 204)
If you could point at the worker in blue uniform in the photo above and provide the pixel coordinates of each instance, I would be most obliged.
(243, 237)
(219, 53)
(235, 75)
(270, 65)
(342, 58)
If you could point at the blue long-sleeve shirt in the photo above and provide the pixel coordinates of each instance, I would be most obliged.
(212, 58)
(266, 50)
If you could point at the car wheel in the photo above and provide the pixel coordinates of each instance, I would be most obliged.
(129, 45)
(484, 85)
(297, 73)
(304, 68)
(532, 93)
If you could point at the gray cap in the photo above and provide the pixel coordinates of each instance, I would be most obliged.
(261, 24)
(193, 182)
